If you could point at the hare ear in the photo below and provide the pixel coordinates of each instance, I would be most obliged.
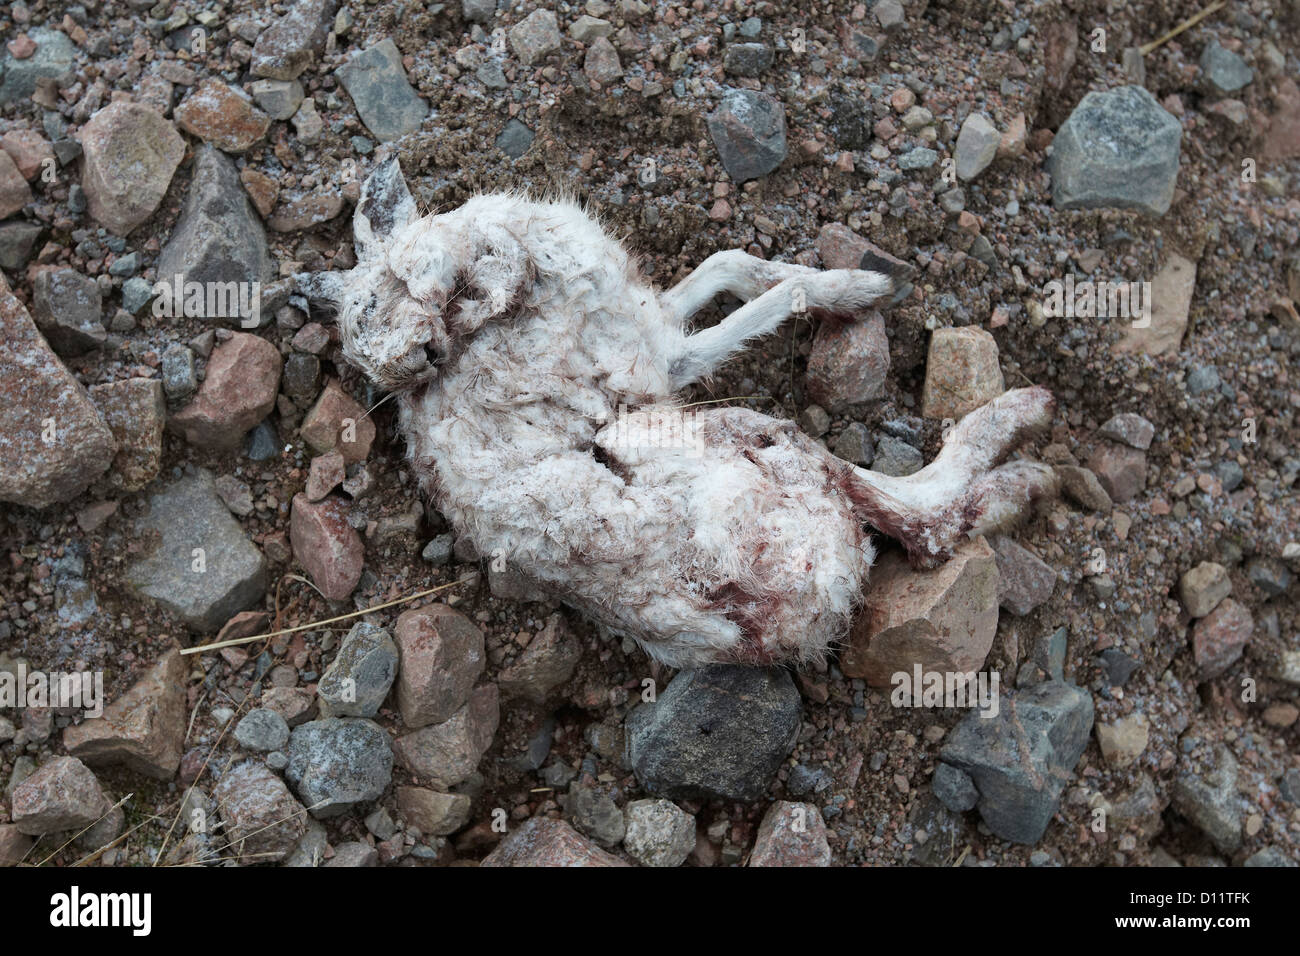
(385, 207)
(322, 289)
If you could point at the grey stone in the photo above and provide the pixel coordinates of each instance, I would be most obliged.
(53, 59)
(357, 680)
(1022, 759)
(1269, 575)
(747, 59)
(67, 307)
(977, 146)
(279, 99)
(1117, 666)
(1129, 428)
(515, 139)
(1024, 580)
(919, 158)
(1270, 856)
(263, 822)
(479, 11)
(1224, 72)
(385, 99)
(594, 813)
(219, 238)
(309, 851)
(748, 130)
(658, 833)
(17, 240)
(179, 379)
(535, 37)
(136, 294)
(854, 444)
(439, 550)
(896, 457)
(1203, 379)
(337, 762)
(289, 45)
(1118, 149)
(954, 788)
(262, 730)
(719, 731)
(1208, 799)
(193, 528)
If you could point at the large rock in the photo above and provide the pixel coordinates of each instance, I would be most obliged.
(943, 619)
(848, 362)
(357, 680)
(136, 414)
(547, 843)
(53, 443)
(326, 545)
(239, 391)
(62, 795)
(197, 561)
(337, 762)
(53, 59)
(442, 655)
(385, 99)
(287, 47)
(445, 754)
(218, 240)
(131, 153)
(748, 130)
(144, 729)
(1118, 149)
(791, 834)
(1022, 758)
(719, 731)
(263, 822)
(961, 372)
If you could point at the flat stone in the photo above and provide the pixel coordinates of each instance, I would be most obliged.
(1224, 72)
(222, 116)
(515, 139)
(17, 243)
(943, 619)
(279, 99)
(336, 762)
(1084, 488)
(326, 545)
(748, 130)
(977, 146)
(1119, 149)
(144, 729)
(357, 680)
(62, 795)
(747, 59)
(849, 362)
(545, 665)
(263, 822)
(54, 443)
(1171, 299)
(197, 562)
(130, 154)
(307, 210)
(791, 834)
(67, 308)
(546, 843)
(239, 391)
(720, 731)
(961, 372)
(338, 422)
(1025, 581)
(290, 45)
(442, 655)
(1130, 429)
(445, 754)
(14, 191)
(385, 100)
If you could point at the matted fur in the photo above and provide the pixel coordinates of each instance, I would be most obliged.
(518, 336)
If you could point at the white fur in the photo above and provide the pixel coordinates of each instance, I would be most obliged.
(513, 331)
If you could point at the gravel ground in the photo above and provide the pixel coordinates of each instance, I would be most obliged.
(616, 113)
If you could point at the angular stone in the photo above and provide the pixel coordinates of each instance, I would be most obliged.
(1130, 429)
(17, 241)
(954, 788)
(1119, 149)
(1123, 741)
(337, 762)
(197, 562)
(136, 414)
(944, 619)
(66, 306)
(442, 655)
(1083, 487)
(55, 443)
(14, 191)
(143, 730)
(659, 833)
(287, 47)
(1024, 580)
(62, 795)
(385, 100)
(445, 754)
(262, 730)
(1121, 470)
(338, 422)
(961, 372)
(327, 473)
(52, 59)
(431, 812)
(791, 834)
(15, 846)
(535, 37)
(547, 843)
(222, 116)
(326, 545)
(849, 362)
(1170, 298)
(1224, 72)
(1219, 638)
(977, 146)
(263, 822)
(131, 153)
(1209, 799)
(218, 242)
(719, 731)
(239, 391)
(545, 665)
(748, 130)
(1022, 758)
(357, 680)
(1203, 587)
(280, 99)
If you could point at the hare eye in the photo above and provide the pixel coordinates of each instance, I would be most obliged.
(432, 354)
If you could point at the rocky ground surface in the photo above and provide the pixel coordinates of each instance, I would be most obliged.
(175, 474)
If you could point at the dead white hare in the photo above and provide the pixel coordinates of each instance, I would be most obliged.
(512, 331)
